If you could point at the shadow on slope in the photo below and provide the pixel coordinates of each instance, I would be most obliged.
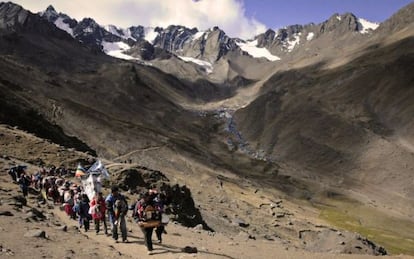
(14, 113)
(321, 120)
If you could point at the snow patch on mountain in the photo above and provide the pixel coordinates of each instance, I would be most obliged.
(206, 65)
(290, 44)
(88, 30)
(310, 36)
(127, 34)
(198, 35)
(63, 26)
(116, 49)
(150, 35)
(116, 31)
(366, 26)
(112, 29)
(256, 52)
(120, 32)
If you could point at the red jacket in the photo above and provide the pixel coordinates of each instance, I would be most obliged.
(98, 208)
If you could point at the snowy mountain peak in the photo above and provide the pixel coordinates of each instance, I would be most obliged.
(210, 45)
(50, 13)
(50, 8)
(89, 22)
(349, 22)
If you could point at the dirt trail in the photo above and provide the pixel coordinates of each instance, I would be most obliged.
(209, 245)
(174, 241)
(127, 155)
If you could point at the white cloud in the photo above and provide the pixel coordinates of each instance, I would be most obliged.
(229, 15)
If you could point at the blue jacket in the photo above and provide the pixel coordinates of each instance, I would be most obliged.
(84, 209)
(110, 205)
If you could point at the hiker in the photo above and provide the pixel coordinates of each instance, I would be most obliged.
(83, 212)
(24, 182)
(16, 171)
(53, 193)
(148, 218)
(46, 185)
(117, 207)
(37, 180)
(159, 202)
(98, 209)
(13, 173)
(69, 202)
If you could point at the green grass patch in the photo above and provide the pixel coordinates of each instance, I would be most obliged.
(396, 235)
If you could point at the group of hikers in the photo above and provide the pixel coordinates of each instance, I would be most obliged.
(147, 210)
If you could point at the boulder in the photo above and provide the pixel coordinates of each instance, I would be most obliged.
(190, 250)
(35, 233)
(6, 213)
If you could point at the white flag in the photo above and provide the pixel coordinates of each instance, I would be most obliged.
(91, 186)
(99, 168)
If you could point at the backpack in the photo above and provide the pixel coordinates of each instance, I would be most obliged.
(151, 213)
(121, 207)
(148, 216)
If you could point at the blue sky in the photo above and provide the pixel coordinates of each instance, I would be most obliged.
(238, 18)
(276, 14)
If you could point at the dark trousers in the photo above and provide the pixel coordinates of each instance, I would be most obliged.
(98, 223)
(104, 223)
(84, 221)
(120, 223)
(159, 230)
(24, 190)
(148, 237)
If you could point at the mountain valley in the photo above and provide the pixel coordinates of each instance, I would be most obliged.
(302, 137)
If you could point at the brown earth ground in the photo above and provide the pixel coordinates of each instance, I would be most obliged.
(63, 239)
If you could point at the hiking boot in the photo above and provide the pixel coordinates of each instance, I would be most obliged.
(159, 241)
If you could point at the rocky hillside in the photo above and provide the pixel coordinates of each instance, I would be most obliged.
(349, 126)
(229, 217)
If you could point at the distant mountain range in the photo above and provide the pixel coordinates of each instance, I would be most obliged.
(192, 44)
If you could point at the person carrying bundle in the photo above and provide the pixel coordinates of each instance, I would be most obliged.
(148, 217)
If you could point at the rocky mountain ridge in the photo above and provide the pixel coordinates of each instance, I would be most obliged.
(210, 45)
(292, 37)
